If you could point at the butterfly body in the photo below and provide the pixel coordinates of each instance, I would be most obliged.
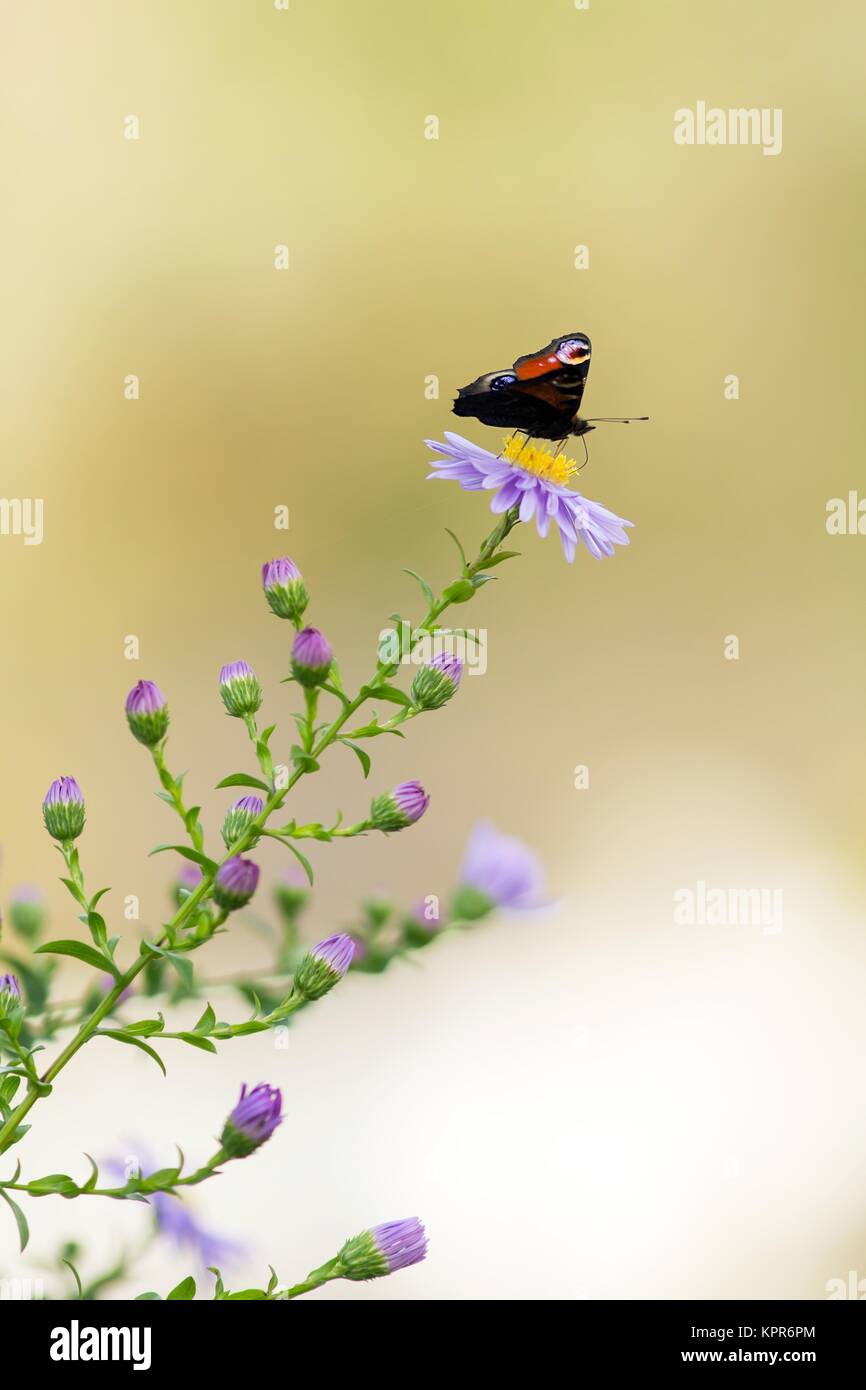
(540, 395)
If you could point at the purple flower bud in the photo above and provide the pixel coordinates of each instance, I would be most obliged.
(311, 657)
(384, 1249)
(240, 690)
(235, 882)
(399, 808)
(284, 589)
(9, 987)
(253, 1120)
(239, 817)
(63, 809)
(324, 966)
(436, 682)
(27, 911)
(147, 713)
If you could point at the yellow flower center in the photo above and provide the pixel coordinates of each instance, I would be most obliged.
(552, 468)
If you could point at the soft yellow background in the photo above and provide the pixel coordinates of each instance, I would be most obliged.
(598, 1103)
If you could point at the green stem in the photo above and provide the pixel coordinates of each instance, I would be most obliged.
(332, 1270)
(136, 1186)
(171, 785)
(202, 889)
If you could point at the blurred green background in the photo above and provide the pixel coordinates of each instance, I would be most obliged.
(619, 1105)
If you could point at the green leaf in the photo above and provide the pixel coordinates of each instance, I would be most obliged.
(80, 952)
(94, 1175)
(74, 890)
(460, 549)
(208, 865)
(304, 762)
(120, 1036)
(148, 1297)
(363, 758)
(459, 592)
(243, 779)
(247, 1295)
(20, 1219)
(302, 859)
(145, 1027)
(53, 1185)
(160, 1179)
(185, 1290)
(425, 588)
(503, 555)
(71, 1266)
(207, 1021)
(195, 1040)
(391, 693)
(178, 960)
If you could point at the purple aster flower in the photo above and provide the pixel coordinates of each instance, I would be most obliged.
(324, 966)
(147, 713)
(27, 911)
(311, 657)
(497, 871)
(253, 1120)
(240, 690)
(239, 817)
(189, 876)
(175, 1220)
(536, 481)
(284, 589)
(437, 681)
(399, 808)
(384, 1249)
(235, 883)
(63, 809)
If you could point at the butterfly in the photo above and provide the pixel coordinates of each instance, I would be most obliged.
(540, 396)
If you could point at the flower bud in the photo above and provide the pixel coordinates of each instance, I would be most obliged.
(253, 1121)
(239, 817)
(147, 713)
(284, 589)
(436, 682)
(399, 808)
(63, 809)
(10, 993)
(241, 692)
(324, 966)
(291, 894)
(384, 1249)
(188, 879)
(311, 657)
(235, 882)
(27, 912)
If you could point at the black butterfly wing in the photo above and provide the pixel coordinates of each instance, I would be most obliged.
(493, 400)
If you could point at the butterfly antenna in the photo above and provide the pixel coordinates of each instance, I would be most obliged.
(615, 419)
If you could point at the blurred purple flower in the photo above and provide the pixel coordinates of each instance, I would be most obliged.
(175, 1220)
(502, 870)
